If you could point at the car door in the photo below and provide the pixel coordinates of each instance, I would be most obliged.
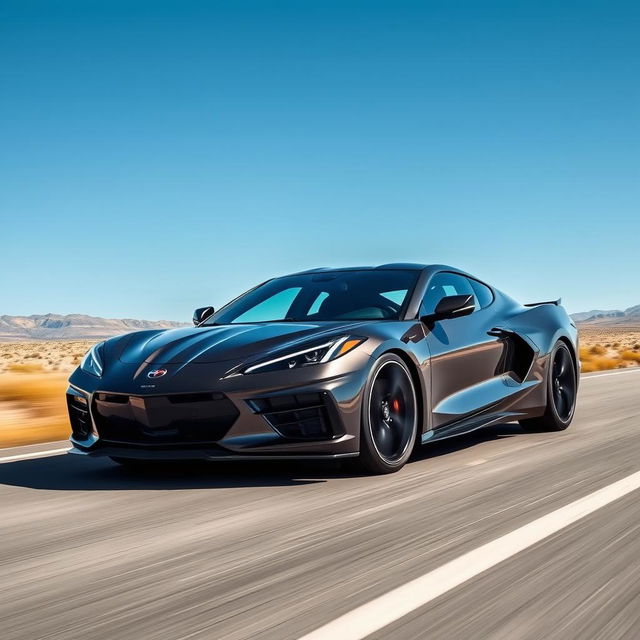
(464, 357)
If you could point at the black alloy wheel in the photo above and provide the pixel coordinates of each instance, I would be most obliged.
(390, 416)
(562, 388)
(563, 384)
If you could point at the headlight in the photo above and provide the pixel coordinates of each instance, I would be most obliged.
(92, 362)
(315, 354)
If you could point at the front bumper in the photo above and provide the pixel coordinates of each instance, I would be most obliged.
(262, 416)
(200, 454)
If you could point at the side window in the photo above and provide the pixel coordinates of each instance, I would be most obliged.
(274, 308)
(484, 295)
(441, 285)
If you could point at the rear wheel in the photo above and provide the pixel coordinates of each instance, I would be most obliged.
(389, 416)
(562, 387)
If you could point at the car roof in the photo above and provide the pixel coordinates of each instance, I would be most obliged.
(403, 266)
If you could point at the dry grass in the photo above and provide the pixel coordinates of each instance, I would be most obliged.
(33, 379)
(18, 367)
(54, 355)
(601, 363)
(603, 348)
(32, 408)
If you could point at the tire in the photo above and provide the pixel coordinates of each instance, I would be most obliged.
(389, 416)
(562, 388)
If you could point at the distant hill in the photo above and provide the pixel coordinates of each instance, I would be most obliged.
(75, 326)
(609, 318)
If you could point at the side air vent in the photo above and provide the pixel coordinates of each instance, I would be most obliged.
(517, 356)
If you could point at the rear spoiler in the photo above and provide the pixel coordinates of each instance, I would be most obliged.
(535, 304)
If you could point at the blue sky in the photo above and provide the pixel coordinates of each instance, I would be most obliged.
(157, 156)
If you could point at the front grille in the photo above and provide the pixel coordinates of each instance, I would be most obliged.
(79, 416)
(198, 418)
(300, 417)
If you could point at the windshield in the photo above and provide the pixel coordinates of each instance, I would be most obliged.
(332, 295)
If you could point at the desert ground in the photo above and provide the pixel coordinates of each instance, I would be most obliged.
(33, 379)
(609, 347)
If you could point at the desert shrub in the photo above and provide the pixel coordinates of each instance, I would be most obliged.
(602, 363)
(33, 390)
(42, 397)
(25, 368)
(633, 356)
(597, 350)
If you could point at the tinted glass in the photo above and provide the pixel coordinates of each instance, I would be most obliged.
(315, 307)
(442, 285)
(273, 308)
(484, 295)
(333, 295)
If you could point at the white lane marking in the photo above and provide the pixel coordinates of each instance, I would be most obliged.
(33, 454)
(602, 375)
(395, 604)
(38, 444)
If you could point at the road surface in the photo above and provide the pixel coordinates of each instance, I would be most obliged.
(500, 535)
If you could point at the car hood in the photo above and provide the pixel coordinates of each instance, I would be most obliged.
(220, 343)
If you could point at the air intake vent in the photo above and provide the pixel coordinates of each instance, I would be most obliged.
(79, 416)
(193, 418)
(305, 416)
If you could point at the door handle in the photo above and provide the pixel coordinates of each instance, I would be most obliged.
(499, 332)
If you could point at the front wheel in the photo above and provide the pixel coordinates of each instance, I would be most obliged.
(562, 387)
(389, 416)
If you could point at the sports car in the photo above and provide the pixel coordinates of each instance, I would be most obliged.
(365, 362)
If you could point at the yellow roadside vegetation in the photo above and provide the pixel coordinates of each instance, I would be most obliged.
(32, 407)
(33, 379)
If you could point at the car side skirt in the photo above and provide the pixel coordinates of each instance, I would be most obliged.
(468, 425)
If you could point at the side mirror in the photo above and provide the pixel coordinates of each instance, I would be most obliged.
(451, 307)
(201, 314)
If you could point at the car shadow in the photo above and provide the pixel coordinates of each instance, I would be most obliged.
(76, 473)
(459, 443)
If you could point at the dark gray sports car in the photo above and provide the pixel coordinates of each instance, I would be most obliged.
(329, 363)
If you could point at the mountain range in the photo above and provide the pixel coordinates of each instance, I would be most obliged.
(75, 326)
(610, 317)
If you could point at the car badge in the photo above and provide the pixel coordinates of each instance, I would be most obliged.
(156, 373)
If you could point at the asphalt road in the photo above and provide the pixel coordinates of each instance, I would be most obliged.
(89, 550)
